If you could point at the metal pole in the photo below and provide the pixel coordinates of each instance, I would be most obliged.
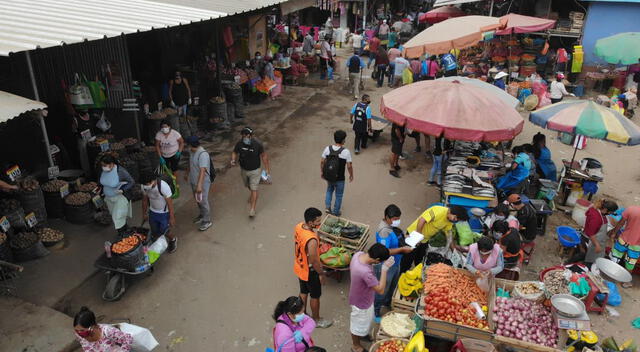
(36, 95)
(364, 16)
(218, 58)
(491, 9)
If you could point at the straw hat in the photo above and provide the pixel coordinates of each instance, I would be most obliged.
(531, 102)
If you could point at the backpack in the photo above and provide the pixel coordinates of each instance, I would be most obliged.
(331, 168)
(354, 64)
(212, 170)
(165, 174)
(159, 180)
(636, 77)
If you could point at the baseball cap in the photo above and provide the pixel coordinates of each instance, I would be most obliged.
(560, 75)
(247, 130)
(501, 74)
(193, 141)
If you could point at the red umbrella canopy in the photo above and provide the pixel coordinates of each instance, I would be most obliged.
(440, 14)
(514, 23)
(454, 109)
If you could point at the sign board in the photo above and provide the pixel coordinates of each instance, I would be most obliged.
(53, 172)
(86, 135)
(97, 201)
(104, 145)
(64, 190)
(14, 172)
(4, 224)
(31, 219)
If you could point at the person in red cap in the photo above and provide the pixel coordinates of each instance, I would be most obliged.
(557, 89)
(526, 216)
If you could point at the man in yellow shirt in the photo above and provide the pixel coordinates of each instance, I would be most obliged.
(433, 220)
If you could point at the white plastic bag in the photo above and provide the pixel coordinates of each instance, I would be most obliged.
(159, 246)
(143, 340)
(103, 123)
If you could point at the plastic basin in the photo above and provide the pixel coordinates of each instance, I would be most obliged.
(568, 236)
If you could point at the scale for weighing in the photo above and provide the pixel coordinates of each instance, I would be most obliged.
(579, 323)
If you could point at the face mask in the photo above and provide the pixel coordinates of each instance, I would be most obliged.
(258, 57)
(146, 188)
(298, 318)
(165, 130)
(106, 169)
(485, 253)
(499, 217)
(85, 333)
(395, 223)
(246, 141)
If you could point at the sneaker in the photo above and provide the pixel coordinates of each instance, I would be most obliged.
(173, 245)
(394, 173)
(252, 213)
(336, 213)
(197, 220)
(357, 151)
(402, 157)
(205, 225)
(397, 167)
(432, 183)
(327, 210)
(323, 323)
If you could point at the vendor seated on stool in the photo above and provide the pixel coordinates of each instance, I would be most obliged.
(509, 241)
(527, 217)
(518, 172)
(485, 258)
(501, 212)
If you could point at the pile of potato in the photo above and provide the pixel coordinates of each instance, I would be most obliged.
(3, 237)
(28, 184)
(53, 186)
(116, 146)
(23, 240)
(87, 187)
(8, 205)
(78, 198)
(50, 235)
(129, 141)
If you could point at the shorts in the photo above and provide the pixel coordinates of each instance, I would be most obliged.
(396, 147)
(158, 222)
(251, 178)
(173, 162)
(361, 321)
(311, 287)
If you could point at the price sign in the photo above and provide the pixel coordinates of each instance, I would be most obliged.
(31, 220)
(104, 145)
(53, 172)
(4, 224)
(14, 172)
(64, 190)
(86, 135)
(97, 201)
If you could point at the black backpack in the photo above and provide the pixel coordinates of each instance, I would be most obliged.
(331, 168)
(212, 170)
(167, 179)
(354, 64)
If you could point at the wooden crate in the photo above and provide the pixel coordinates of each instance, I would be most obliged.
(381, 335)
(337, 240)
(403, 304)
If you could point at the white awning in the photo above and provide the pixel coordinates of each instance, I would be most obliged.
(13, 105)
(439, 3)
(230, 7)
(31, 24)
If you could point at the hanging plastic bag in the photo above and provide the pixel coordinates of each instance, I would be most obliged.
(98, 94)
(407, 76)
(80, 94)
(103, 124)
(165, 174)
(143, 340)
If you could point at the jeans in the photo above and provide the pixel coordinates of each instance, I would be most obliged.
(338, 187)
(436, 169)
(158, 222)
(372, 58)
(205, 209)
(382, 70)
(392, 70)
(182, 110)
(360, 140)
(392, 281)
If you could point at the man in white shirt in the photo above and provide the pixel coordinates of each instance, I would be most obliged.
(325, 56)
(357, 43)
(157, 208)
(335, 159)
(400, 64)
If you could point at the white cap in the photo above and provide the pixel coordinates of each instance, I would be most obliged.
(501, 74)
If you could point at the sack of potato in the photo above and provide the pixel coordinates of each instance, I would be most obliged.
(49, 236)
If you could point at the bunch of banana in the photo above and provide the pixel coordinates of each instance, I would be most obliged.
(417, 342)
(410, 282)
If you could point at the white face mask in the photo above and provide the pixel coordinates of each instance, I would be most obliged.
(146, 188)
(165, 130)
(395, 223)
(499, 217)
(106, 169)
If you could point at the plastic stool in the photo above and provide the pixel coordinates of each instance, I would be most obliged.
(531, 246)
(590, 302)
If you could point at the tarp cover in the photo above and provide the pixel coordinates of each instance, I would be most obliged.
(13, 105)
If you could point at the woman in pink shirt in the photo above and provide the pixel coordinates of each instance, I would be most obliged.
(94, 337)
(293, 329)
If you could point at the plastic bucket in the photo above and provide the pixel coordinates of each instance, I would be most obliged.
(568, 236)
(578, 214)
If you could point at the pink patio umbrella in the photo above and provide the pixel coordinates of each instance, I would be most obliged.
(454, 33)
(513, 23)
(454, 109)
(440, 14)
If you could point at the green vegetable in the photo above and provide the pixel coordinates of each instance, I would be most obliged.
(438, 240)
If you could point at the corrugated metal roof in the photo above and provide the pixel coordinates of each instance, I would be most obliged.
(29, 24)
(230, 7)
(632, 1)
(452, 2)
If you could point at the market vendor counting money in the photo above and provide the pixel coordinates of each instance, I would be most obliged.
(485, 257)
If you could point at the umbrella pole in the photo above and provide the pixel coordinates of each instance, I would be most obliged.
(575, 150)
(36, 95)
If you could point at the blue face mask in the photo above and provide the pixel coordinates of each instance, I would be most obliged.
(298, 317)
(246, 141)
